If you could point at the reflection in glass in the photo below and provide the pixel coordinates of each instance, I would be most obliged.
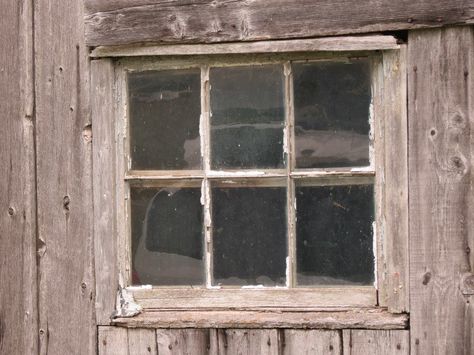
(164, 119)
(167, 236)
(247, 117)
(334, 235)
(249, 236)
(332, 102)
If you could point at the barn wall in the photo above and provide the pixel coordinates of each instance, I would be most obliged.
(47, 281)
(18, 316)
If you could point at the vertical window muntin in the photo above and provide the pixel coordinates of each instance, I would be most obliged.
(288, 176)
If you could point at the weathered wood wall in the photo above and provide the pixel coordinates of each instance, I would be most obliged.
(441, 136)
(47, 281)
(64, 180)
(18, 296)
(117, 341)
(130, 21)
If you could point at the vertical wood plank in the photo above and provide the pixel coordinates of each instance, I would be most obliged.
(394, 217)
(306, 342)
(440, 72)
(113, 341)
(242, 341)
(184, 341)
(142, 342)
(18, 286)
(64, 180)
(387, 342)
(104, 173)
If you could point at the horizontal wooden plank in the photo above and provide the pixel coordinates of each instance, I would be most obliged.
(185, 298)
(355, 319)
(209, 21)
(331, 44)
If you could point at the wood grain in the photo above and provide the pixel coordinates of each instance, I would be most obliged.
(387, 342)
(112, 341)
(142, 342)
(104, 157)
(18, 286)
(364, 319)
(247, 342)
(391, 146)
(205, 21)
(441, 117)
(64, 180)
(309, 342)
(331, 44)
(185, 342)
(186, 298)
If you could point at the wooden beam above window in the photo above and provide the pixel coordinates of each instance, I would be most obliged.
(208, 21)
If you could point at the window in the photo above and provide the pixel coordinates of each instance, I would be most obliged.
(253, 181)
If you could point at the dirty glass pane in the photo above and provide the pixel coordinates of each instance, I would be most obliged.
(332, 114)
(334, 235)
(167, 236)
(164, 119)
(247, 117)
(249, 236)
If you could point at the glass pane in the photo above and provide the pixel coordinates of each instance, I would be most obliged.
(249, 236)
(165, 107)
(247, 117)
(334, 235)
(167, 236)
(332, 114)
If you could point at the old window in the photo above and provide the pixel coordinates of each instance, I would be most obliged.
(255, 181)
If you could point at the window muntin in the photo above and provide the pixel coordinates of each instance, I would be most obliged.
(342, 169)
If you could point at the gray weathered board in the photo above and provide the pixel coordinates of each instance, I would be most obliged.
(64, 180)
(116, 341)
(386, 342)
(130, 21)
(18, 297)
(441, 121)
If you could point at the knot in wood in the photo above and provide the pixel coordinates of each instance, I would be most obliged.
(11, 211)
(467, 284)
(426, 278)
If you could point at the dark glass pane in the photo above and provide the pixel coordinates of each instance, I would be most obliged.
(332, 114)
(334, 235)
(247, 117)
(165, 107)
(249, 236)
(167, 236)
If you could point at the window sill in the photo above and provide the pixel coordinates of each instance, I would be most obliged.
(361, 318)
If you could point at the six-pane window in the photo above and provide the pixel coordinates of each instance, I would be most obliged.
(252, 174)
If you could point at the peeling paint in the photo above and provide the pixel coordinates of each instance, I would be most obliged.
(126, 306)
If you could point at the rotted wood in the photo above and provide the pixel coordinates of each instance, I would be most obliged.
(331, 319)
(18, 271)
(206, 21)
(387, 342)
(64, 180)
(441, 121)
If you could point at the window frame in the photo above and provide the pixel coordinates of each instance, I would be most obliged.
(388, 74)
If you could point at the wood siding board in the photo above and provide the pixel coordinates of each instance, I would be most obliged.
(184, 342)
(142, 342)
(207, 21)
(64, 180)
(387, 342)
(247, 342)
(18, 273)
(395, 180)
(364, 319)
(104, 174)
(112, 341)
(329, 44)
(308, 342)
(440, 67)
